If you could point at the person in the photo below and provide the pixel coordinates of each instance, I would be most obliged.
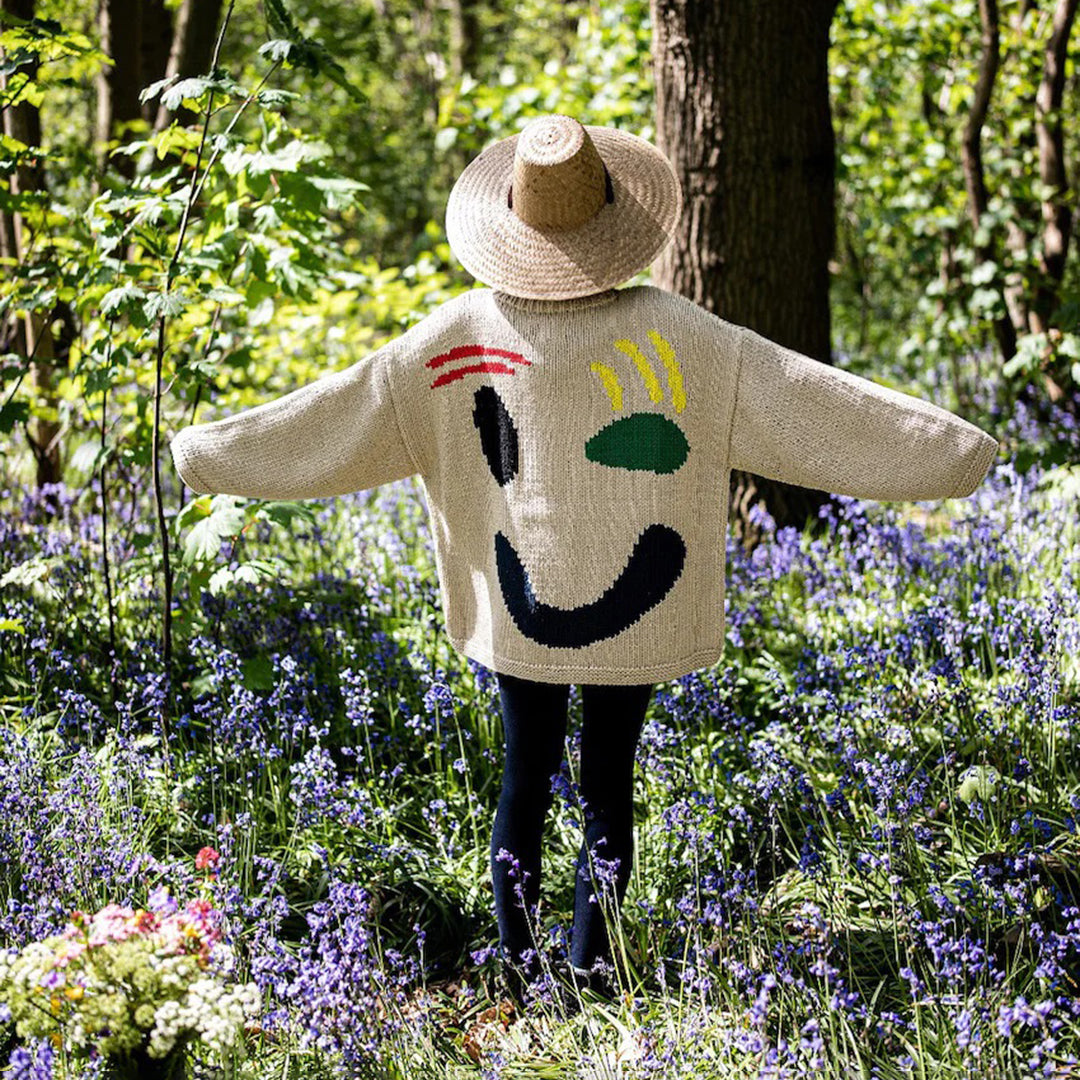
(574, 440)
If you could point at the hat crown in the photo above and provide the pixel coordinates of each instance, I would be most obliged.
(559, 180)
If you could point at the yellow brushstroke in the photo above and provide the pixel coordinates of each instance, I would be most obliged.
(611, 384)
(666, 353)
(652, 383)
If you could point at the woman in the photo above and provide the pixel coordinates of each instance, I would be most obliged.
(575, 442)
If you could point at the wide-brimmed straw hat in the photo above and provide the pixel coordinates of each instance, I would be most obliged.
(562, 210)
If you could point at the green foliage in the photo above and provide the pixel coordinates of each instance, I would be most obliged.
(261, 250)
(316, 745)
(912, 277)
(207, 522)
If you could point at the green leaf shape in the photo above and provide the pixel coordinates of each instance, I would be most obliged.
(215, 522)
(978, 782)
(641, 441)
(123, 298)
(12, 413)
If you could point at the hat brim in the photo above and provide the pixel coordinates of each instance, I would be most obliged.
(621, 240)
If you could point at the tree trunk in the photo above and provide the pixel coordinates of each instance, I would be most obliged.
(464, 37)
(742, 110)
(119, 83)
(1056, 211)
(192, 49)
(971, 156)
(22, 121)
(20, 117)
(156, 46)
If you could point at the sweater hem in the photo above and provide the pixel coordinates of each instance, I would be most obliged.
(592, 674)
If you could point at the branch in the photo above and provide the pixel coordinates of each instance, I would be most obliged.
(155, 442)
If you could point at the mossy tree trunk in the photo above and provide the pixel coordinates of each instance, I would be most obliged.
(742, 111)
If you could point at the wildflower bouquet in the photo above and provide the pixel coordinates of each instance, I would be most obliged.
(132, 986)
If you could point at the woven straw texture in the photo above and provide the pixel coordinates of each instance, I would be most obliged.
(576, 456)
(551, 261)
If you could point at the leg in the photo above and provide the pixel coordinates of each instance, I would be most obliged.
(613, 718)
(534, 723)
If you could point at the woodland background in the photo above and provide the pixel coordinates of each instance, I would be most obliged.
(857, 849)
(887, 180)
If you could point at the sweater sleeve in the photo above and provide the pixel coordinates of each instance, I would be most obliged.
(803, 422)
(337, 435)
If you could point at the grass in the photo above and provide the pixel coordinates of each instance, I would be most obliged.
(856, 837)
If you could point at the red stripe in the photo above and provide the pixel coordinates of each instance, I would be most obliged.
(463, 352)
(461, 372)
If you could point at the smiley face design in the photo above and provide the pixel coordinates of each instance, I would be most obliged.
(640, 441)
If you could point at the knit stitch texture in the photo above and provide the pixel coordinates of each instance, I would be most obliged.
(575, 456)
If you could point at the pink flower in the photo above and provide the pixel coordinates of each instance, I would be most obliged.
(207, 858)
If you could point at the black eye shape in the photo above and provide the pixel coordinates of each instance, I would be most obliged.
(498, 436)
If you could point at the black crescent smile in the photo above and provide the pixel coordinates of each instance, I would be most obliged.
(655, 565)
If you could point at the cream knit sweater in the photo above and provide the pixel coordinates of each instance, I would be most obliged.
(575, 456)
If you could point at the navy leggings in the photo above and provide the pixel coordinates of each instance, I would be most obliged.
(534, 723)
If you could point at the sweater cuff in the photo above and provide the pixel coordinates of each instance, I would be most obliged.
(985, 452)
(181, 455)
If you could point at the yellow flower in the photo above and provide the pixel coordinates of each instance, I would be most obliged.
(74, 993)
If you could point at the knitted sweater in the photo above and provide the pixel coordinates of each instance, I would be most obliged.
(575, 457)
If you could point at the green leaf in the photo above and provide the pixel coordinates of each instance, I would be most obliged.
(167, 304)
(283, 513)
(222, 295)
(186, 89)
(123, 299)
(247, 573)
(1069, 345)
(299, 191)
(276, 99)
(174, 138)
(225, 520)
(35, 571)
(193, 511)
(88, 456)
(257, 672)
(277, 50)
(985, 301)
(150, 92)
(279, 19)
(979, 782)
(12, 413)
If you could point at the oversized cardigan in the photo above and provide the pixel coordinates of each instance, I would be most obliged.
(575, 457)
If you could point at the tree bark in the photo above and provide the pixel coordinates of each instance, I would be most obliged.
(119, 83)
(192, 49)
(156, 41)
(1056, 211)
(464, 37)
(20, 121)
(742, 110)
(971, 156)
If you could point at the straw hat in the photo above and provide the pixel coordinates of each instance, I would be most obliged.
(562, 210)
